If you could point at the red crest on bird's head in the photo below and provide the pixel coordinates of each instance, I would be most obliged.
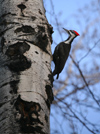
(76, 33)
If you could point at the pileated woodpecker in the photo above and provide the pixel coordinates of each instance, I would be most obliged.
(61, 52)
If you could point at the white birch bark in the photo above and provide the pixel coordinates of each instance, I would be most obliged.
(25, 67)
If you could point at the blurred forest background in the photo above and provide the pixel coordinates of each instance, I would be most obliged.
(76, 108)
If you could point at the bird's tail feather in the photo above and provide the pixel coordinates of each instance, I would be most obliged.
(57, 76)
(54, 73)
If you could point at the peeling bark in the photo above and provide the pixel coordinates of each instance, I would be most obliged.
(25, 67)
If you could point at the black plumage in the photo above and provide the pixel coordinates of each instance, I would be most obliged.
(62, 51)
(60, 56)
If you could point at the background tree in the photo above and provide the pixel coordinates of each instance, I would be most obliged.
(25, 67)
(77, 92)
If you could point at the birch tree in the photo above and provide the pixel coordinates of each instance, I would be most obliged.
(25, 67)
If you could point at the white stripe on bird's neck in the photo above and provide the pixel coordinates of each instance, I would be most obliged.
(69, 40)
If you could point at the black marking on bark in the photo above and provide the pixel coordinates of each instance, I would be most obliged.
(51, 78)
(4, 84)
(46, 118)
(26, 120)
(36, 119)
(5, 23)
(33, 18)
(41, 28)
(5, 14)
(50, 98)
(32, 130)
(42, 39)
(20, 63)
(21, 6)
(50, 31)
(2, 32)
(1, 104)
(40, 12)
(25, 29)
(16, 49)
(2, 43)
(36, 52)
(14, 86)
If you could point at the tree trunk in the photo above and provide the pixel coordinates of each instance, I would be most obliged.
(25, 67)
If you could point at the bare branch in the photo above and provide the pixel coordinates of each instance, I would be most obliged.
(84, 80)
(57, 24)
(89, 51)
(75, 116)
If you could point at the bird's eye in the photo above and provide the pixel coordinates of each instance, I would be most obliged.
(72, 31)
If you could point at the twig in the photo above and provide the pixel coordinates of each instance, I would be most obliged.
(75, 116)
(88, 51)
(56, 19)
(80, 120)
(84, 80)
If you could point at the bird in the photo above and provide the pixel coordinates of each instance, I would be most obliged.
(62, 51)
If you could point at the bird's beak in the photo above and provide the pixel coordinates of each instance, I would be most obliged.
(66, 30)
